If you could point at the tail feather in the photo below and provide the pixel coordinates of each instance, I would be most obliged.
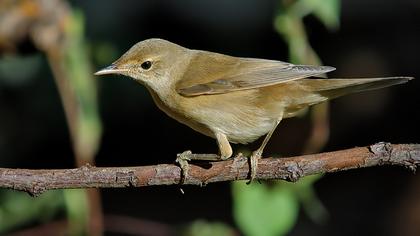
(333, 88)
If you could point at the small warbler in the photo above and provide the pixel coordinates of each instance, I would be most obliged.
(232, 99)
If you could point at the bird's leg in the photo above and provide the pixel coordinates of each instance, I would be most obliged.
(224, 146)
(257, 154)
(185, 157)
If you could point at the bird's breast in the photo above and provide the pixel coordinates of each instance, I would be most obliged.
(173, 107)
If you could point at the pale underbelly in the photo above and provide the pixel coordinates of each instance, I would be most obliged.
(243, 123)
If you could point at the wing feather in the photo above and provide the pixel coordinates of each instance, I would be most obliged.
(223, 74)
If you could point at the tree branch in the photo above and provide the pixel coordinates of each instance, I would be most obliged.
(290, 169)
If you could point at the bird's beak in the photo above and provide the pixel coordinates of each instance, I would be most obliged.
(112, 69)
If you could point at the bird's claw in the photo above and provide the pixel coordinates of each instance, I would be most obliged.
(182, 159)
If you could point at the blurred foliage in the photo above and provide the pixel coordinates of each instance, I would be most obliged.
(306, 194)
(327, 11)
(57, 30)
(103, 52)
(289, 23)
(205, 228)
(76, 206)
(260, 209)
(79, 72)
(11, 73)
(73, 75)
(19, 208)
(272, 208)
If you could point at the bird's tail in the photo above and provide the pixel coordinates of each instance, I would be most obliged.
(333, 88)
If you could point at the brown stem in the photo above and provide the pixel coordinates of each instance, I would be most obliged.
(67, 96)
(71, 110)
(320, 131)
(290, 169)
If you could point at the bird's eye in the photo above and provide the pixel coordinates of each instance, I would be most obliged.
(146, 65)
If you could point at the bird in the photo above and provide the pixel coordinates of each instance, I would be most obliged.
(231, 99)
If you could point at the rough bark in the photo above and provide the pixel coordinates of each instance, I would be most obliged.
(290, 169)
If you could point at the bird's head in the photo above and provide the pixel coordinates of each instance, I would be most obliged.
(151, 62)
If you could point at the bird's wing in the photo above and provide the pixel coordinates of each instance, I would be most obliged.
(212, 73)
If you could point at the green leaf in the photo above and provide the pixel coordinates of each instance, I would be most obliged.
(18, 208)
(292, 29)
(327, 11)
(77, 208)
(206, 228)
(264, 210)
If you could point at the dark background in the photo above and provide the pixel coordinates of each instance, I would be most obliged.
(375, 38)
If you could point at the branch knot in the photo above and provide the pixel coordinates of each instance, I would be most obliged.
(294, 171)
(382, 150)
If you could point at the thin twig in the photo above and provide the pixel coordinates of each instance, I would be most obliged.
(290, 169)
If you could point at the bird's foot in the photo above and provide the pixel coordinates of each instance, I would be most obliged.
(182, 159)
(253, 164)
